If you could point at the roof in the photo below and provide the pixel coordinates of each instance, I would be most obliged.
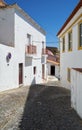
(71, 16)
(53, 55)
(2, 3)
(29, 19)
(78, 69)
(53, 62)
(54, 50)
(53, 59)
(48, 52)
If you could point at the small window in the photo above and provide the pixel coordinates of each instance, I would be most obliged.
(80, 35)
(63, 44)
(70, 41)
(69, 74)
(43, 48)
(34, 70)
(29, 38)
(42, 44)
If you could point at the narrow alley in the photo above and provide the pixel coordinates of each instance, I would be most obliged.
(38, 107)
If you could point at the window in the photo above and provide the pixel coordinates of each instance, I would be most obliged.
(42, 44)
(69, 74)
(43, 48)
(63, 44)
(29, 38)
(70, 41)
(34, 70)
(80, 35)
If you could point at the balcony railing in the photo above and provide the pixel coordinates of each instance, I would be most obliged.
(31, 49)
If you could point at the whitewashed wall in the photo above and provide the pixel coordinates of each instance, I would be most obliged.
(57, 69)
(70, 59)
(76, 91)
(30, 78)
(14, 28)
(48, 68)
(8, 71)
(7, 26)
(22, 28)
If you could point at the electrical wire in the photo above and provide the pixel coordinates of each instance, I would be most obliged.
(46, 42)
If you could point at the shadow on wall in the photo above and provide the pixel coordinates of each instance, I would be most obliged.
(47, 108)
(33, 81)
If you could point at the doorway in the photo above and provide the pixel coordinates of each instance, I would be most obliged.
(52, 70)
(20, 73)
(43, 67)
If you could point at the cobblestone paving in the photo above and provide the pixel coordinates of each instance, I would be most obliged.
(39, 107)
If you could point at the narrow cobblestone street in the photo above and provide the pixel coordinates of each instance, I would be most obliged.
(39, 107)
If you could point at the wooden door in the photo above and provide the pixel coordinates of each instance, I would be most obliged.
(20, 73)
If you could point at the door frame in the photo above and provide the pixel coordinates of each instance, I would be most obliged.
(43, 71)
(52, 66)
(20, 73)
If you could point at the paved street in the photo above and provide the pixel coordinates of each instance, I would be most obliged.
(39, 107)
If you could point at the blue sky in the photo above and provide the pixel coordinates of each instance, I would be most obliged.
(49, 14)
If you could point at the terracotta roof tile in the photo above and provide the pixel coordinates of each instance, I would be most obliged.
(2, 3)
(78, 69)
(54, 50)
(53, 62)
(53, 59)
(48, 52)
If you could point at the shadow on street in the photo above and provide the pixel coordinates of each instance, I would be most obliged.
(49, 108)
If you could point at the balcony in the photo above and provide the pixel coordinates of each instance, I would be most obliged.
(31, 50)
(30, 53)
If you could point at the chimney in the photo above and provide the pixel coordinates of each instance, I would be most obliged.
(2, 3)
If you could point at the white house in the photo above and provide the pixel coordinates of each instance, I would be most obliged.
(22, 48)
(70, 36)
(53, 63)
(76, 90)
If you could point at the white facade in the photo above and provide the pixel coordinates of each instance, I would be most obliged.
(15, 26)
(70, 59)
(76, 91)
(53, 69)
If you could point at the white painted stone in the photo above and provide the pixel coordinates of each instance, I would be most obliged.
(70, 59)
(14, 28)
(76, 91)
